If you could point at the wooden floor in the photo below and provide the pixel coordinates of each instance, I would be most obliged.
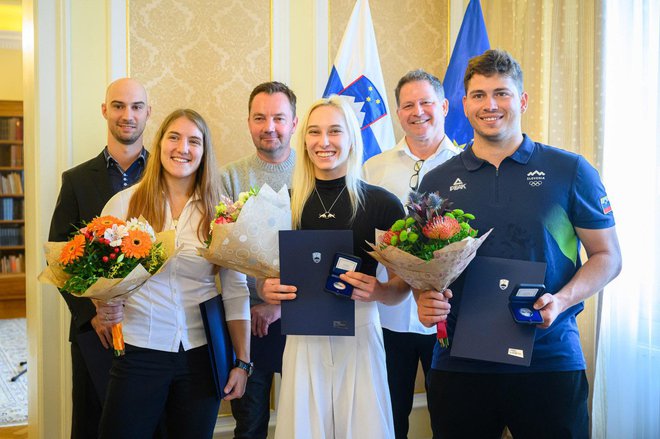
(17, 432)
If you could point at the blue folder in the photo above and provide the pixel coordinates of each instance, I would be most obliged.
(221, 350)
(306, 258)
(485, 329)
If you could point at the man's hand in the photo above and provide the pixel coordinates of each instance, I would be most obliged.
(432, 306)
(107, 314)
(550, 307)
(262, 316)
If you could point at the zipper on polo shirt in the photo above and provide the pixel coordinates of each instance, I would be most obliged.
(496, 194)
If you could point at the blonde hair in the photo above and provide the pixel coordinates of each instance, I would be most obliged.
(149, 198)
(303, 181)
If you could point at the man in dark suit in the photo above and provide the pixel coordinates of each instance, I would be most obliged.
(85, 190)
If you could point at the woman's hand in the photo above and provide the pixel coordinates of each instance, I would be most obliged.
(273, 292)
(107, 314)
(236, 383)
(367, 288)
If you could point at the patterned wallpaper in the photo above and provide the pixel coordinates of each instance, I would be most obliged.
(410, 34)
(206, 55)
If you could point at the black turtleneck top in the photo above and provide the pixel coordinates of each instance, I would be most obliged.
(379, 211)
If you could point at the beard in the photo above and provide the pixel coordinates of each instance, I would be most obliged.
(127, 139)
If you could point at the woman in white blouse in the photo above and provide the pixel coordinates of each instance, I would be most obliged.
(166, 369)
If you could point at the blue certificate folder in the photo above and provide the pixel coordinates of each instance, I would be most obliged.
(221, 350)
(485, 329)
(306, 258)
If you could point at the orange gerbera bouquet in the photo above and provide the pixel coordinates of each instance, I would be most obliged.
(106, 259)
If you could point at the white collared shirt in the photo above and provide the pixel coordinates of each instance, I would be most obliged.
(392, 170)
(164, 313)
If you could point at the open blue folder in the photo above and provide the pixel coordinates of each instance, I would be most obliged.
(221, 350)
(306, 258)
(485, 329)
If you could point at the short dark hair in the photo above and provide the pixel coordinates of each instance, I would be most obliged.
(494, 62)
(271, 88)
(419, 75)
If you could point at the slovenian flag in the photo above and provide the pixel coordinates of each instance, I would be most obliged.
(472, 40)
(356, 75)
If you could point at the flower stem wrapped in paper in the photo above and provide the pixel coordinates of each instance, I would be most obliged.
(107, 260)
(245, 233)
(429, 248)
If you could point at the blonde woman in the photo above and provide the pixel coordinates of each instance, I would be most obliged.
(166, 368)
(336, 387)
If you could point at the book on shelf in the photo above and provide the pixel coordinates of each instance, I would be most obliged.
(11, 128)
(16, 156)
(11, 236)
(11, 155)
(11, 209)
(12, 264)
(12, 184)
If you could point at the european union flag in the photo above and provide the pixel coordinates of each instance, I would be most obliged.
(472, 40)
(357, 64)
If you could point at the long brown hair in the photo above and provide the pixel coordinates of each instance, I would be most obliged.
(149, 198)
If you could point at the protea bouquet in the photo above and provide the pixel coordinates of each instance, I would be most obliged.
(430, 247)
(430, 225)
(106, 259)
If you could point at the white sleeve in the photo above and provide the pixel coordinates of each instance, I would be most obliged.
(235, 295)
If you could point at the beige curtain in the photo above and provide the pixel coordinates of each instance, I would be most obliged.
(558, 46)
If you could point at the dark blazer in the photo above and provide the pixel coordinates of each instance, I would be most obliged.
(85, 190)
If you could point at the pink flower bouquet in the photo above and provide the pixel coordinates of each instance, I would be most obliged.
(245, 233)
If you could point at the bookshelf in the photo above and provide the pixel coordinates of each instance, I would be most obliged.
(12, 220)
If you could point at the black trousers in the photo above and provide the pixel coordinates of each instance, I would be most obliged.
(403, 352)
(145, 384)
(252, 411)
(86, 402)
(533, 405)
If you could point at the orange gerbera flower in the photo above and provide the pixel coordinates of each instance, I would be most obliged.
(73, 250)
(137, 244)
(98, 225)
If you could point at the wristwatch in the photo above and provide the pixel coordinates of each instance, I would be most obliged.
(247, 367)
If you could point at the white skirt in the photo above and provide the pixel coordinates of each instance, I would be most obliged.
(336, 387)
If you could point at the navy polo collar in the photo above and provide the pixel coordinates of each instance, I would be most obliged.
(521, 155)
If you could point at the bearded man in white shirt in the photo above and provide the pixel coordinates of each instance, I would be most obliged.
(421, 108)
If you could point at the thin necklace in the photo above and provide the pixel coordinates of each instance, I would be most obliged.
(327, 214)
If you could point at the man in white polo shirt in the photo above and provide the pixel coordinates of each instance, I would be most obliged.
(421, 107)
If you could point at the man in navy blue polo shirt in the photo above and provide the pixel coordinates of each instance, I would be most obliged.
(543, 204)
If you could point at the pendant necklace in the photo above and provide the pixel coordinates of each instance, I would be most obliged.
(327, 214)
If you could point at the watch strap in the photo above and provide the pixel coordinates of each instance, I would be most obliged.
(247, 367)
